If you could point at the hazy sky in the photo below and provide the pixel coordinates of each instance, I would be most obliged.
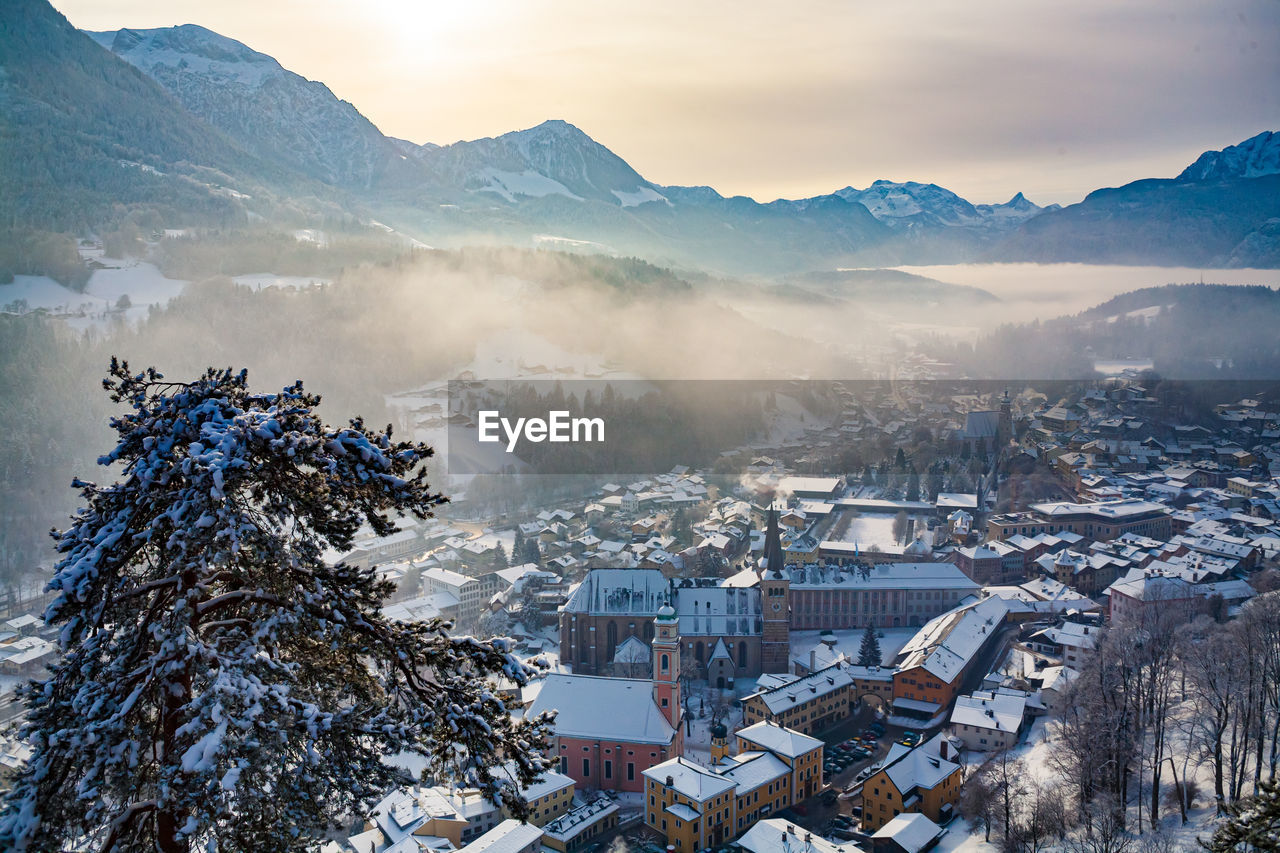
(770, 99)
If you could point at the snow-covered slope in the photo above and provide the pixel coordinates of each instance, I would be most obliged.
(268, 109)
(554, 158)
(914, 205)
(1253, 158)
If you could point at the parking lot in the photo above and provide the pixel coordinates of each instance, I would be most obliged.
(827, 814)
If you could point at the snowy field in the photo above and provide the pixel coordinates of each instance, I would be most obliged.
(870, 529)
(140, 281)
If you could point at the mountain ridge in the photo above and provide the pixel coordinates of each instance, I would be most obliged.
(554, 184)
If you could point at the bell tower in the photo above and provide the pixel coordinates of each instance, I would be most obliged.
(666, 664)
(775, 597)
(719, 743)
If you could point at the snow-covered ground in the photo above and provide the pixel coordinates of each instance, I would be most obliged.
(868, 529)
(142, 282)
(1034, 753)
(849, 641)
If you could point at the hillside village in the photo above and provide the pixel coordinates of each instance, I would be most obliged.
(821, 644)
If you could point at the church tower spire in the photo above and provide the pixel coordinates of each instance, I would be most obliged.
(775, 596)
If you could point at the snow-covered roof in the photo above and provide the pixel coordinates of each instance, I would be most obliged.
(912, 832)
(957, 500)
(798, 691)
(635, 591)
(691, 780)
(750, 770)
(779, 739)
(510, 836)
(1143, 585)
(1072, 634)
(420, 609)
(1117, 510)
(571, 824)
(986, 710)
(716, 610)
(774, 835)
(884, 576)
(549, 782)
(632, 650)
(598, 708)
(948, 642)
(921, 767)
(809, 485)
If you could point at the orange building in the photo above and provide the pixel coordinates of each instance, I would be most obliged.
(932, 666)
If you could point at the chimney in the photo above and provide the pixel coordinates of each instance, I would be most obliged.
(813, 659)
(942, 748)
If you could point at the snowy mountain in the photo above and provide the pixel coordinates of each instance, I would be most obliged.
(89, 139)
(1253, 158)
(554, 158)
(1222, 210)
(911, 205)
(257, 138)
(266, 108)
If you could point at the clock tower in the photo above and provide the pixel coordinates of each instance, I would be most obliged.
(775, 597)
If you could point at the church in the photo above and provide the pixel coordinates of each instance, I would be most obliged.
(609, 731)
(731, 631)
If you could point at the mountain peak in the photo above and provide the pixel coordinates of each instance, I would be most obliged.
(190, 48)
(1256, 156)
(552, 131)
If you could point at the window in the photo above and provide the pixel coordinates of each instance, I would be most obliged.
(631, 772)
(608, 769)
(586, 767)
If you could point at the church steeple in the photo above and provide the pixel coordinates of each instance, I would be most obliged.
(775, 588)
(774, 558)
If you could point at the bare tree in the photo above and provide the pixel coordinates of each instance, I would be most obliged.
(1042, 818)
(978, 799)
(1106, 833)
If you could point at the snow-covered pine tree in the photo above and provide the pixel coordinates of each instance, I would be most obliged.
(869, 652)
(1252, 824)
(222, 686)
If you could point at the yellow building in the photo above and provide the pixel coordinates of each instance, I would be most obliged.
(819, 700)
(694, 807)
(923, 780)
(580, 827)
(548, 798)
(800, 752)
